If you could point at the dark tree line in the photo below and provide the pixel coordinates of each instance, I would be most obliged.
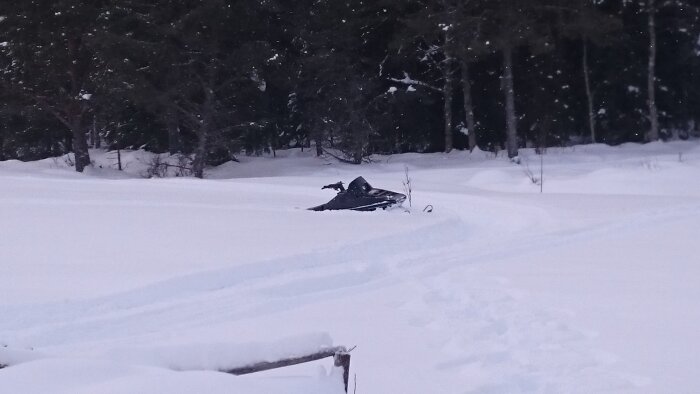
(217, 78)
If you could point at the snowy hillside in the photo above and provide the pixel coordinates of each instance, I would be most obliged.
(113, 283)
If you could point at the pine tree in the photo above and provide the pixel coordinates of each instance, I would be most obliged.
(49, 60)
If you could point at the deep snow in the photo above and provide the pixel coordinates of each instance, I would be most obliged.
(108, 280)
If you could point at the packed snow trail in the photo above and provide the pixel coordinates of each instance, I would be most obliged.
(496, 291)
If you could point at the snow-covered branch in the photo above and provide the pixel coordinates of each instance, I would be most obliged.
(407, 80)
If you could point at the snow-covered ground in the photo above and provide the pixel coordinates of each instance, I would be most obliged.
(112, 283)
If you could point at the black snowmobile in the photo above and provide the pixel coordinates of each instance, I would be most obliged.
(360, 196)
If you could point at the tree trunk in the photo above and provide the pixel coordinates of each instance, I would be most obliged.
(360, 136)
(651, 76)
(448, 87)
(358, 151)
(2, 142)
(75, 117)
(357, 155)
(200, 152)
(468, 107)
(95, 135)
(319, 146)
(543, 131)
(173, 125)
(80, 145)
(509, 92)
(447, 92)
(316, 133)
(589, 94)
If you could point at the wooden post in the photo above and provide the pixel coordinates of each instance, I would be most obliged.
(342, 359)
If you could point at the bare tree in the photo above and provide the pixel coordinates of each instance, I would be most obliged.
(448, 68)
(653, 134)
(589, 94)
(509, 93)
(510, 25)
(592, 28)
(467, 103)
(440, 26)
(470, 42)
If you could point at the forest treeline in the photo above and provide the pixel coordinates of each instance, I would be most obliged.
(214, 78)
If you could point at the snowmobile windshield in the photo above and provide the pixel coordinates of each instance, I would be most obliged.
(359, 186)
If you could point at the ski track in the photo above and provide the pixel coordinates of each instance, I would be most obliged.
(485, 335)
(483, 319)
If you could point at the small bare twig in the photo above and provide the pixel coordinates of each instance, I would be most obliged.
(68, 159)
(407, 188)
(159, 168)
(541, 171)
(535, 180)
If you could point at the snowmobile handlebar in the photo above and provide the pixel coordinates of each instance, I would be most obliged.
(338, 186)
